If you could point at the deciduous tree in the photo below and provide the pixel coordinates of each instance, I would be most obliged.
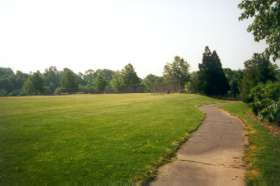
(266, 22)
(69, 80)
(176, 73)
(257, 70)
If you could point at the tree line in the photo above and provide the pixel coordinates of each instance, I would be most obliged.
(211, 79)
(176, 78)
(53, 81)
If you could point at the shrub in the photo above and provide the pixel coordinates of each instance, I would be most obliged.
(60, 91)
(271, 112)
(265, 101)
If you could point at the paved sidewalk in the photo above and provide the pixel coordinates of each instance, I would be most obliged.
(211, 157)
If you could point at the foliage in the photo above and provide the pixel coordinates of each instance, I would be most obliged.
(265, 99)
(28, 87)
(194, 84)
(34, 85)
(96, 81)
(234, 78)
(117, 82)
(211, 77)
(126, 80)
(69, 80)
(131, 82)
(89, 77)
(271, 113)
(152, 83)
(266, 22)
(257, 70)
(51, 79)
(176, 73)
(7, 79)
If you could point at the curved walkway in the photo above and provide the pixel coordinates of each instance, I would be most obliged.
(211, 157)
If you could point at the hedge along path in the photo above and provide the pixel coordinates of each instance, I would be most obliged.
(211, 157)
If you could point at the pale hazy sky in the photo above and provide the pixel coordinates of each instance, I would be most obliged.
(91, 34)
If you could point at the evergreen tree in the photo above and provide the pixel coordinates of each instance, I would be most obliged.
(212, 79)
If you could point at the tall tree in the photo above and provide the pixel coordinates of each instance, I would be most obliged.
(88, 77)
(117, 82)
(257, 70)
(38, 82)
(28, 87)
(131, 81)
(69, 81)
(51, 79)
(212, 79)
(20, 78)
(265, 24)
(177, 73)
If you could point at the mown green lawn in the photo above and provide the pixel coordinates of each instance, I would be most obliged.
(263, 154)
(91, 139)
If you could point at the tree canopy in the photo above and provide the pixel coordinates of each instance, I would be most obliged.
(69, 80)
(257, 70)
(266, 23)
(177, 73)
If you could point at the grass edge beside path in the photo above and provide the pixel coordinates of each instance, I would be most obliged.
(262, 155)
(169, 156)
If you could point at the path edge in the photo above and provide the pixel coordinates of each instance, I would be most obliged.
(169, 157)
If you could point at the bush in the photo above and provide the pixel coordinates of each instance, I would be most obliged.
(60, 91)
(265, 101)
(271, 112)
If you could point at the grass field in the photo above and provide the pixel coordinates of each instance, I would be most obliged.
(89, 139)
(263, 154)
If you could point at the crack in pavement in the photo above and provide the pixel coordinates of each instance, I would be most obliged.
(211, 164)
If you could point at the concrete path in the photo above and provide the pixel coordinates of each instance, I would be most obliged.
(211, 157)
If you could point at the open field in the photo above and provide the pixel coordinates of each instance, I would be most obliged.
(263, 154)
(86, 139)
